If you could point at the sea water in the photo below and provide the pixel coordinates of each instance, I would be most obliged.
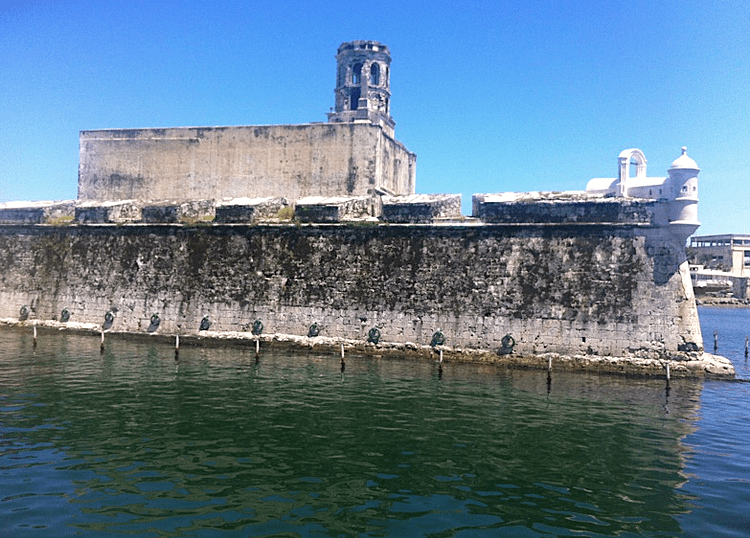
(131, 442)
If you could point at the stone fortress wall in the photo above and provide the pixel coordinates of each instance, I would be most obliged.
(587, 288)
(570, 273)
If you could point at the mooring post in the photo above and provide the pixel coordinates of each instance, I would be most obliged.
(101, 347)
(745, 346)
(549, 375)
(667, 372)
(176, 346)
(257, 347)
(716, 341)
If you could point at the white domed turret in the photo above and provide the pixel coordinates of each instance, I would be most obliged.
(683, 180)
(683, 162)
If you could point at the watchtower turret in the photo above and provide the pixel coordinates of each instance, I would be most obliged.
(363, 86)
(683, 179)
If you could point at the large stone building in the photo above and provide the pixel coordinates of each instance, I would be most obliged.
(355, 154)
(598, 276)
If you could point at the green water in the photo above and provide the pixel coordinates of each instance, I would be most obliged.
(134, 443)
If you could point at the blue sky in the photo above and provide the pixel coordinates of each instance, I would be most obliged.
(491, 96)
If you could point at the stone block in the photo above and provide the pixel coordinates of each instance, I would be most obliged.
(171, 211)
(241, 210)
(37, 212)
(336, 208)
(561, 208)
(416, 208)
(108, 212)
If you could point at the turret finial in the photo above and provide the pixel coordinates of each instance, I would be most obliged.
(684, 150)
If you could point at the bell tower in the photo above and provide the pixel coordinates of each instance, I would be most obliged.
(363, 85)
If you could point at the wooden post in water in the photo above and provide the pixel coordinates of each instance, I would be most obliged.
(667, 372)
(343, 363)
(716, 341)
(746, 346)
(257, 348)
(549, 375)
(101, 347)
(34, 335)
(176, 346)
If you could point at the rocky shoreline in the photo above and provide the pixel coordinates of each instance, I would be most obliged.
(699, 365)
(722, 301)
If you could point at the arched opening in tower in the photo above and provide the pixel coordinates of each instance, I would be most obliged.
(354, 98)
(375, 74)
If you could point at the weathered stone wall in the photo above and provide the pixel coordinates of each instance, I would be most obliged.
(191, 211)
(336, 209)
(598, 289)
(556, 208)
(423, 208)
(247, 210)
(204, 163)
(36, 212)
(108, 212)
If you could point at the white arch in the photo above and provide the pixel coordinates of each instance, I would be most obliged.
(624, 159)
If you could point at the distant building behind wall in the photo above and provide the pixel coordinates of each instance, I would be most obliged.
(720, 264)
(728, 252)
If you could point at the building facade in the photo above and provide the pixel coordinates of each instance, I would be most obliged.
(728, 252)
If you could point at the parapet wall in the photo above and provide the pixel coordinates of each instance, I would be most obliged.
(203, 163)
(603, 289)
(570, 207)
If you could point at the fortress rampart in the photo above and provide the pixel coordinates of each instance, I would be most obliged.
(597, 288)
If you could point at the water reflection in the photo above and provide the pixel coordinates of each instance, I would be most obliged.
(135, 442)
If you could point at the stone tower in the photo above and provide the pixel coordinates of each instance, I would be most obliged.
(363, 86)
